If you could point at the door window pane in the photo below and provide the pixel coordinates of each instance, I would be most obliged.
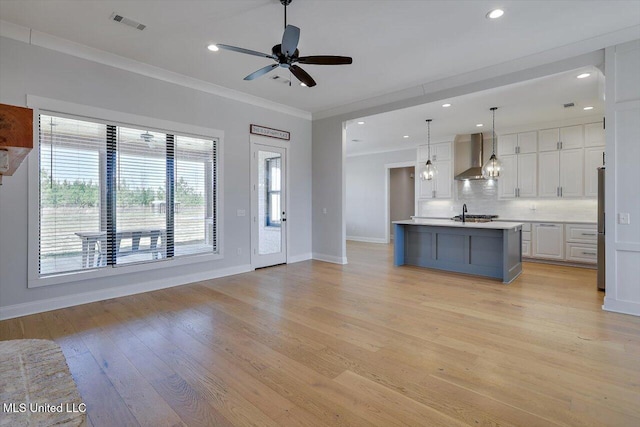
(269, 212)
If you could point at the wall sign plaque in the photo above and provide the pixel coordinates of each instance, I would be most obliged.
(270, 132)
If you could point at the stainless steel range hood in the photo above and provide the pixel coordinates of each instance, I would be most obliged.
(473, 163)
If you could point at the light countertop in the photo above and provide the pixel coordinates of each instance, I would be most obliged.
(559, 221)
(493, 225)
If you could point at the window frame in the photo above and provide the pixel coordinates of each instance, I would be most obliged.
(58, 108)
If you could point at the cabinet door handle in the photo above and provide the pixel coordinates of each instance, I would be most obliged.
(588, 253)
(588, 234)
(560, 191)
(433, 194)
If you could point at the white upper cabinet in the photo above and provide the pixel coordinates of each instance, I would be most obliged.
(594, 135)
(548, 174)
(561, 138)
(517, 143)
(439, 152)
(518, 176)
(508, 181)
(571, 137)
(548, 139)
(440, 186)
(527, 142)
(527, 175)
(571, 173)
(507, 144)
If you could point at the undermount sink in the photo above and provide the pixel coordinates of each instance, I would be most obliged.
(472, 220)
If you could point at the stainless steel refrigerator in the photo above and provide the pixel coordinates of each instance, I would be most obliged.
(601, 230)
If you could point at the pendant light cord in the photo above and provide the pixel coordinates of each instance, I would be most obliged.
(429, 139)
(493, 131)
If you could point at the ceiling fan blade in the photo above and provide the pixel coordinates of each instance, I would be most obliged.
(243, 50)
(325, 60)
(302, 75)
(290, 40)
(261, 72)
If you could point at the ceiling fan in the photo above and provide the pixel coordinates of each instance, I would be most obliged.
(286, 55)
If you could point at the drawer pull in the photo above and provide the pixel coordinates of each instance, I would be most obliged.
(548, 225)
(588, 234)
(588, 253)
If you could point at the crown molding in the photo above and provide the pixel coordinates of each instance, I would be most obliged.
(48, 41)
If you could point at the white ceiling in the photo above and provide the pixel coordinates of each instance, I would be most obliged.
(395, 44)
(525, 104)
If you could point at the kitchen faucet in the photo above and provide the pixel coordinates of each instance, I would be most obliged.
(464, 210)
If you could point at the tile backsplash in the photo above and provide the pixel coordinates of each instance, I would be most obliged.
(481, 197)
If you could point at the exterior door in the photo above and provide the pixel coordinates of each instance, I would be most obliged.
(268, 206)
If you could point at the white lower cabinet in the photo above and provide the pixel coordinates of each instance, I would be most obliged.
(526, 240)
(581, 243)
(581, 252)
(548, 240)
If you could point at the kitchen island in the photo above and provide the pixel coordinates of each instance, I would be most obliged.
(491, 249)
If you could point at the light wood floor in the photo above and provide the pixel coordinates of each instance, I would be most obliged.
(363, 344)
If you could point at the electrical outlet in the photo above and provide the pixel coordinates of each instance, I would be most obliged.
(241, 212)
(532, 207)
(324, 211)
(4, 161)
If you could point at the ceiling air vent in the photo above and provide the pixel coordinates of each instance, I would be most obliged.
(126, 21)
(569, 105)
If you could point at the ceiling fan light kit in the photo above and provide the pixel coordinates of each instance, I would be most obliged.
(286, 55)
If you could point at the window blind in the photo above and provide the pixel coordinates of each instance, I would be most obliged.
(113, 195)
(195, 201)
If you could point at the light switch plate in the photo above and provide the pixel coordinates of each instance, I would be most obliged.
(241, 212)
(624, 218)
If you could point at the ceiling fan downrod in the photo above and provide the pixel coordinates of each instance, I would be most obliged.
(285, 3)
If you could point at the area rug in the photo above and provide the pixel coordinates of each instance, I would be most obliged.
(36, 387)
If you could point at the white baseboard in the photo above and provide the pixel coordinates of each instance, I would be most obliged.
(298, 258)
(367, 239)
(330, 258)
(624, 307)
(24, 309)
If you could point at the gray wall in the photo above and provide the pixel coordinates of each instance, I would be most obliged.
(27, 69)
(366, 204)
(328, 195)
(402, 190)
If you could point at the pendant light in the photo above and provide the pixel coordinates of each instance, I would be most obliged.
(429, 170)
(493, 167)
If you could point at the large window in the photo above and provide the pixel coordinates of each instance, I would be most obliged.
(113, 195)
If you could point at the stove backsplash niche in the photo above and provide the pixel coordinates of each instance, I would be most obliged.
(481, 197)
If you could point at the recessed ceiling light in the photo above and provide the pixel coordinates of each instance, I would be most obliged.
(360, 123)
(302, 84)
(588, 108)
(406, 136)
(479, 125)
(446, 105)
(213, 48)
(495, 13)
(583, 75)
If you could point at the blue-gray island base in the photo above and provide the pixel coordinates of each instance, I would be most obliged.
(492, 249)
